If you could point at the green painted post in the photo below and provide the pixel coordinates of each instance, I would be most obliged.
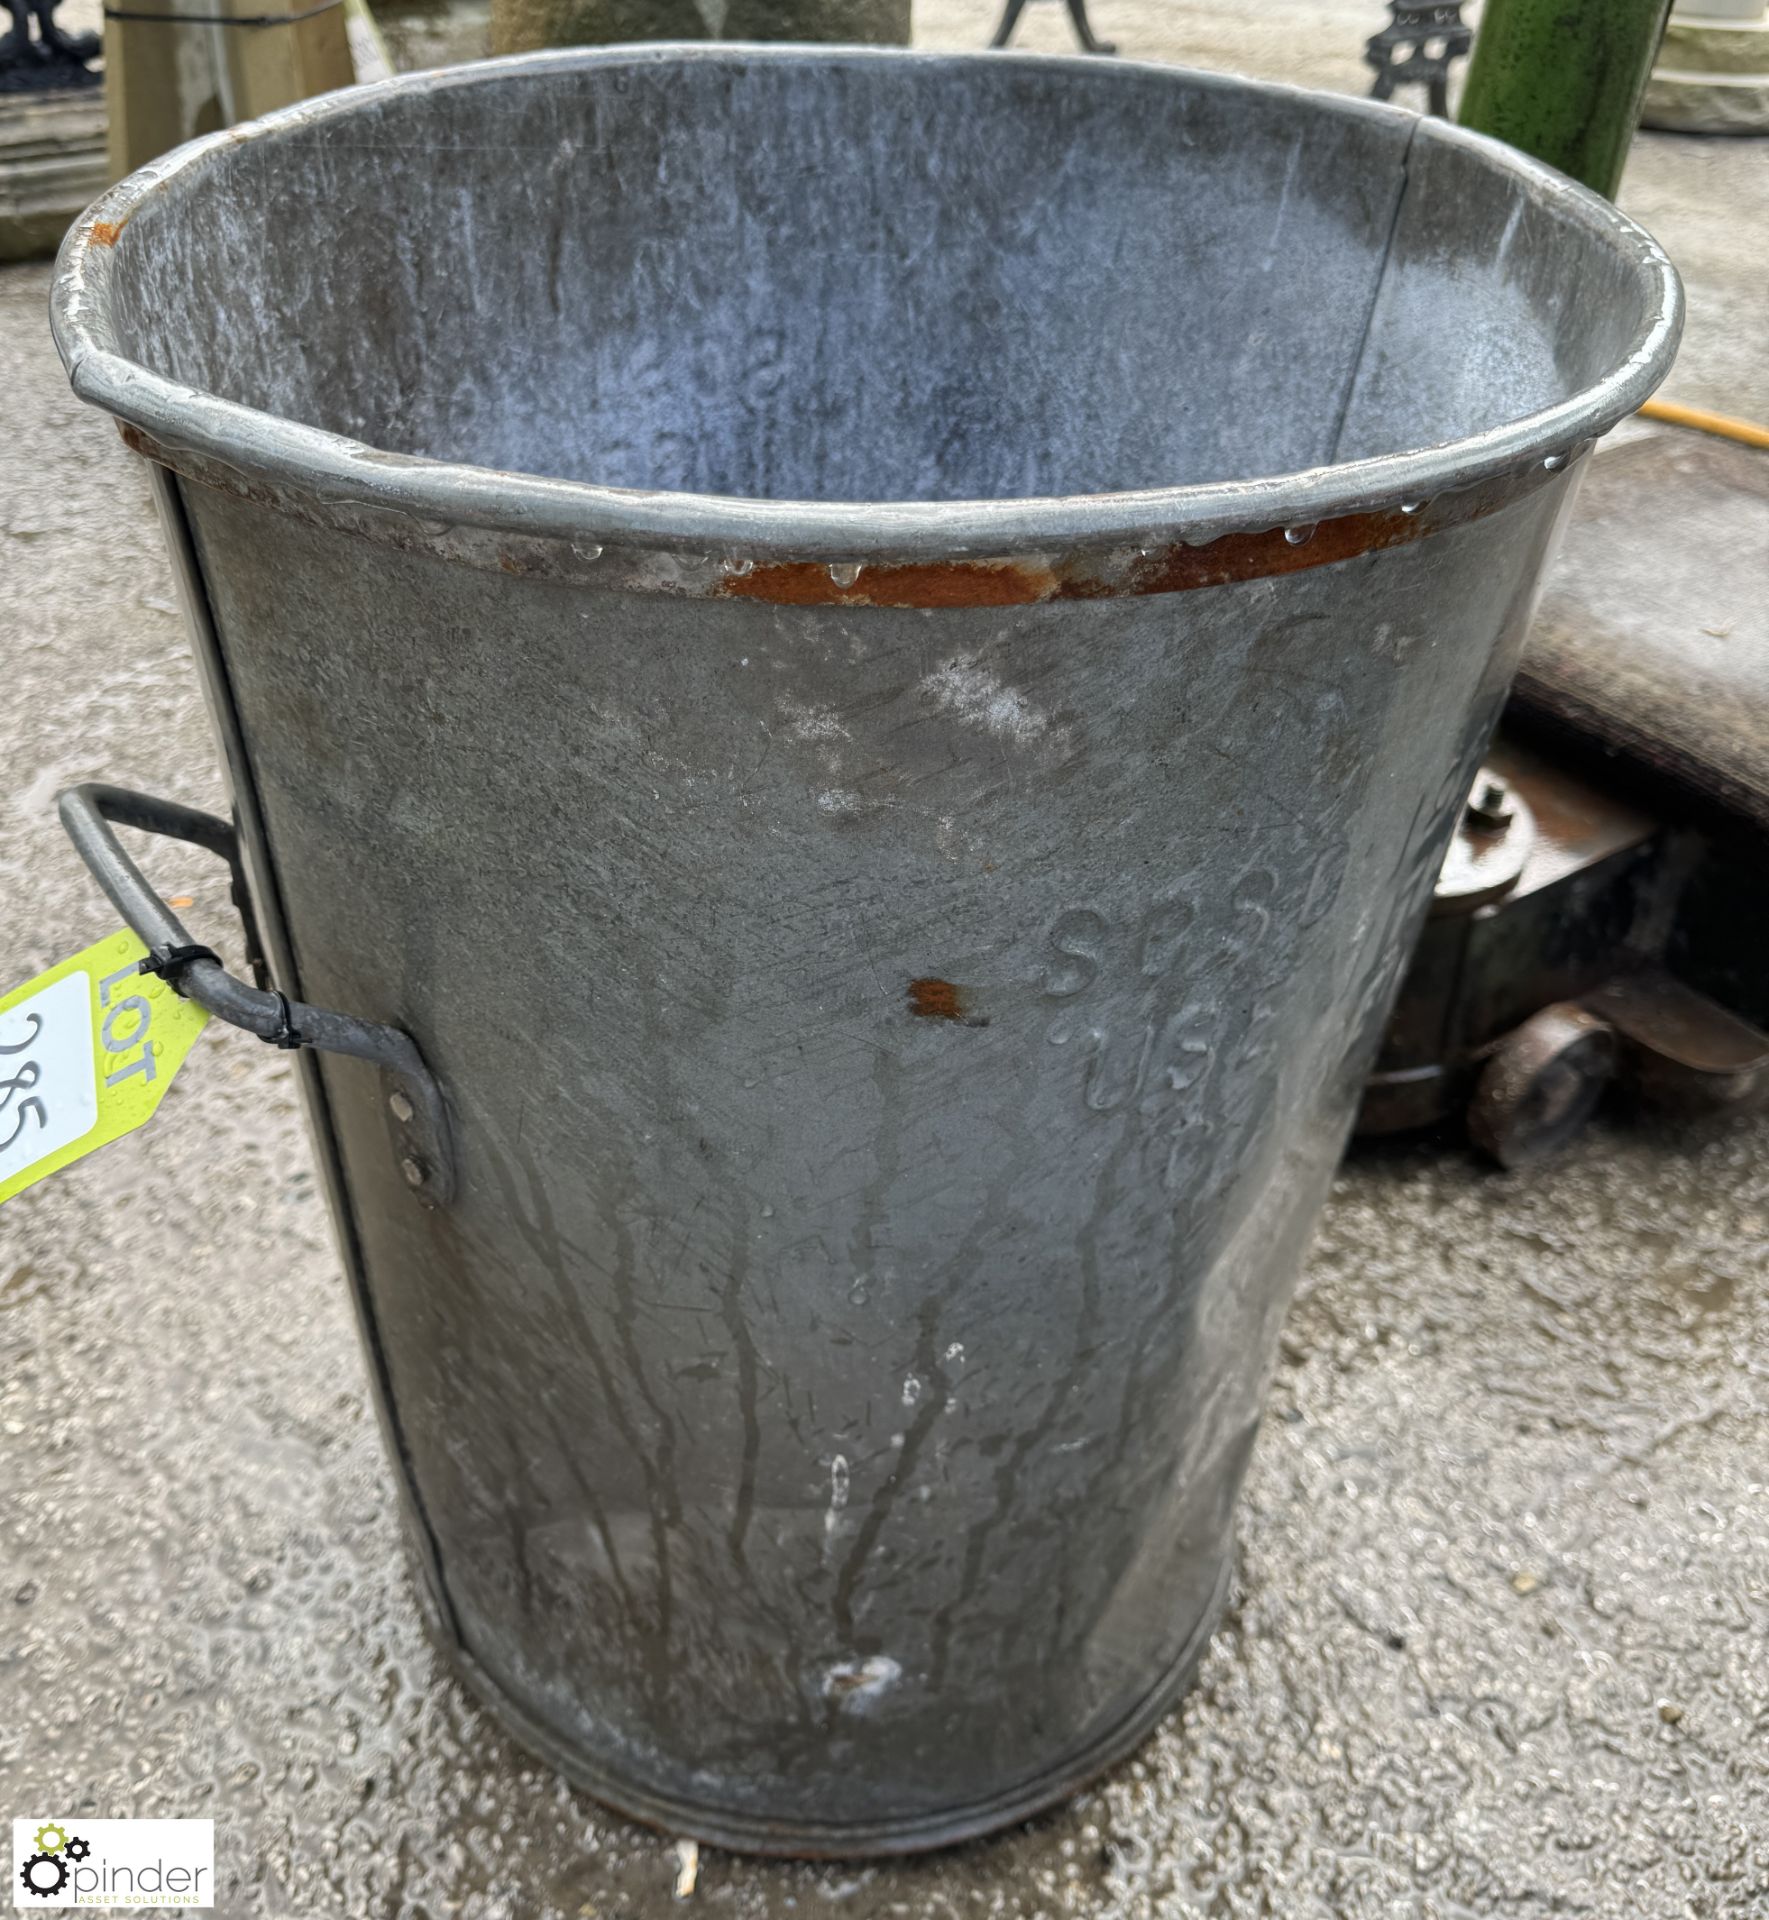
(1563, 80)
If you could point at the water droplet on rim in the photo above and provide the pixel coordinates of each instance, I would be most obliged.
(1298, 536)
(1554, 462)
(586, 551)
(844, 572)
(1411, 506)
(737, 568)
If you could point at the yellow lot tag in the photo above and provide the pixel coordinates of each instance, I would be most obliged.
(86, 1052)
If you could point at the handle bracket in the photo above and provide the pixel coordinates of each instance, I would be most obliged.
(418, 1114)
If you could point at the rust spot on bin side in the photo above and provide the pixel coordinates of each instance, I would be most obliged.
(934, 999)
(104, 233)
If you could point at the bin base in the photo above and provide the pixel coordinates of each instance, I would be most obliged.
(747, 1833)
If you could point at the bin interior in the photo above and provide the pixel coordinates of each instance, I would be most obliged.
(843, 277)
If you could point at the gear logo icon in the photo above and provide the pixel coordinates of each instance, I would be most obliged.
(45, 1873)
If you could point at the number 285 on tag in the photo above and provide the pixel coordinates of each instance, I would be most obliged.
(86, 1052)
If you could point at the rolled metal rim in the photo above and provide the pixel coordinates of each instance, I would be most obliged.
(283, 453)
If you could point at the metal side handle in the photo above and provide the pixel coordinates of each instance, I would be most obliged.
(414, 1100)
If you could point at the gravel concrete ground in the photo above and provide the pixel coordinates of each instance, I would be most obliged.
(1497, 1645)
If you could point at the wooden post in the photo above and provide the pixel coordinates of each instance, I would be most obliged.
(178, 68)
(520, 26)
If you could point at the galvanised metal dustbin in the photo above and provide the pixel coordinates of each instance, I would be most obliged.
(846, 673)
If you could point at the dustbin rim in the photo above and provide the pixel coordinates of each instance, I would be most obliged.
(287, 456)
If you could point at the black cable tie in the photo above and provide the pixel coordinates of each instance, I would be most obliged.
(285, 1036)
(169, 962)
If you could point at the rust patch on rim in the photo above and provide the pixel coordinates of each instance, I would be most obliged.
(104, 233)
(1176, 568)
(1264, 556)
(934, 583)
(1096, 573)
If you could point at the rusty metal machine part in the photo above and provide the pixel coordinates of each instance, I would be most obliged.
(1541, 1084)
(900, 897)
(1489, 850)
(1680, 1049)
(1515, 925)
(1573, 917)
